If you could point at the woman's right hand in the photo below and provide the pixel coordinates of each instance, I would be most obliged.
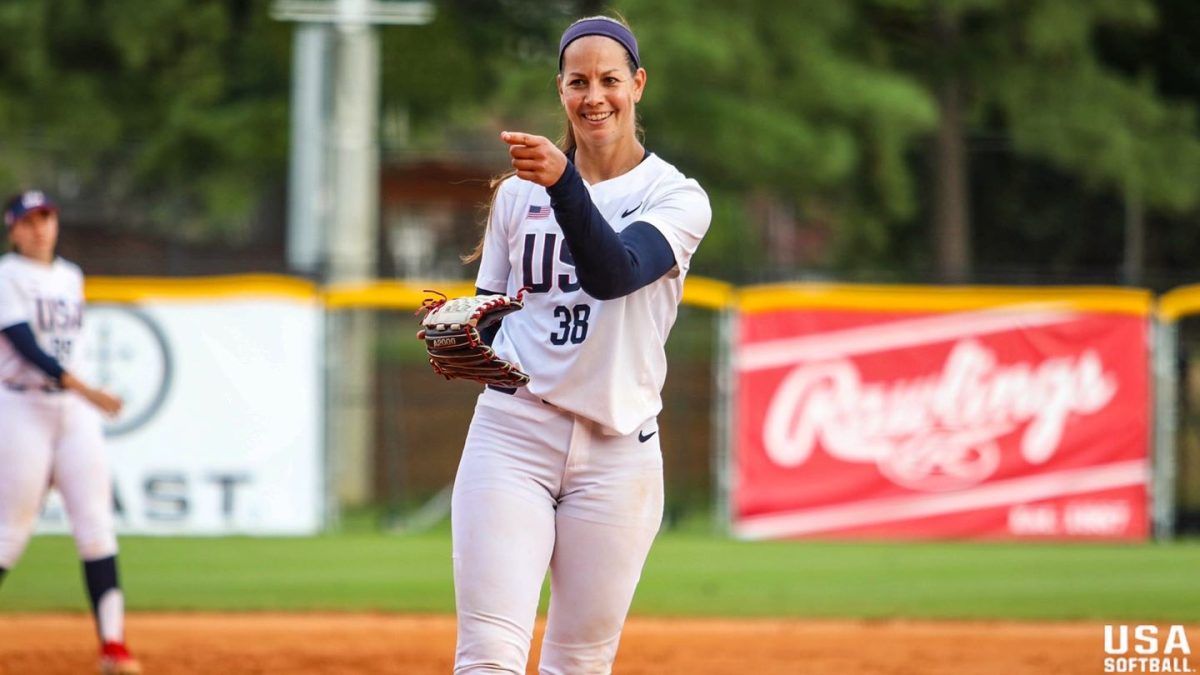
(536, 158)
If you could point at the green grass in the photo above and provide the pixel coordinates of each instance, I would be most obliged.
(688, 574)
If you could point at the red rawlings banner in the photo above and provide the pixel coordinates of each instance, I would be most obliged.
(998, 423)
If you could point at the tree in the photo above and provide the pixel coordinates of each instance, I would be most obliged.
(760, 102)
(1032, 71)
(175, 111)
(768, 96)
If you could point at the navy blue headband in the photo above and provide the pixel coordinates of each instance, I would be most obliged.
(609, 28)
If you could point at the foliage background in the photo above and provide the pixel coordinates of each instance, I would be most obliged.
(919, 140)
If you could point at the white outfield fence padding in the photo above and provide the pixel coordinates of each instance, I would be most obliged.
(222, 428)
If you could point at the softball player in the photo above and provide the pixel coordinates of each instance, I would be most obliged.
(50, 429)
(566, 472)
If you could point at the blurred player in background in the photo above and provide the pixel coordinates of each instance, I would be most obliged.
(50, 429)
(566, 473)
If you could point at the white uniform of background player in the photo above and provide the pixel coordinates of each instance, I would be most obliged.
(566, 473)
(50, 425)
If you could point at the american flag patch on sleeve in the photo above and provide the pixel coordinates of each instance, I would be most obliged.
(538, 212)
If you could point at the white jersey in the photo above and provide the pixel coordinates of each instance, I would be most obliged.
(603, 360)
(50, 299)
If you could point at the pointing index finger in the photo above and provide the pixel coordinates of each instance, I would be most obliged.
(518, 138)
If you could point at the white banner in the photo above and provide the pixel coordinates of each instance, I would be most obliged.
(221, 433)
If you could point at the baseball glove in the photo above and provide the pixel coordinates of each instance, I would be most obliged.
(451, 330)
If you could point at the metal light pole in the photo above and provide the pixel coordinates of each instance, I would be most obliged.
(333, 204)
(308, 199)
(336, 126)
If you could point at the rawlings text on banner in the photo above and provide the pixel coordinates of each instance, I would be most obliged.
(221, 430)
(992, 420)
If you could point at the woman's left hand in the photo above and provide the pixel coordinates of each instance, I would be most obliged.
(535, 158)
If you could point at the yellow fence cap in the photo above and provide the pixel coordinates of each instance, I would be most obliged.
(865, 297)
(1179, 302)
(140, 289)
(392, 294)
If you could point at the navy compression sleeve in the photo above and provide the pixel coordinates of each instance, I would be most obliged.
(609, 265)
(22, 339)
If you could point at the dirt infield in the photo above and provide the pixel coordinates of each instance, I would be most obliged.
(170, 644)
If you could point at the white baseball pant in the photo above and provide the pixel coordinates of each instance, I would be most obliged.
(539, 488)
(53, 439)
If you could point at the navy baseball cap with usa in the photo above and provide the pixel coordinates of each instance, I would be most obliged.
(26, 202)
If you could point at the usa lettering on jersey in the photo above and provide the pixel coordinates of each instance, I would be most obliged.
(50, 299)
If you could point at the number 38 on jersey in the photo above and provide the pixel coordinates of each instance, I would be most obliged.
(541, 256)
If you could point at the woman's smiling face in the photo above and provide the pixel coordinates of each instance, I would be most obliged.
(599, 90)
